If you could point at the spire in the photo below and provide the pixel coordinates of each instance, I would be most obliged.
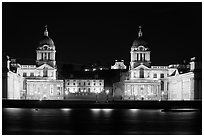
(140, 31)
(46, 31)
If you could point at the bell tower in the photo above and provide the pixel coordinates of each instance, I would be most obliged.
(140, 53)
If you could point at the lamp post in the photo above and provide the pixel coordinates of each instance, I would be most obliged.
(107, 91)
(162, 95)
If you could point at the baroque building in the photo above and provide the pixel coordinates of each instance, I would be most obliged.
(143, 81)
(41, 78)
(83, 86)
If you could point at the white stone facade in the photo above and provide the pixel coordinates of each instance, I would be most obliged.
(44, 89)
(15, 86)
(83, 86)
(44, 71)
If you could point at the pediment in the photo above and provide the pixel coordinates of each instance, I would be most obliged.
(141, 66)
(45, 66)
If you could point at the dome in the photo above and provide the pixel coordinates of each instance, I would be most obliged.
(46, 40)
(139, 41)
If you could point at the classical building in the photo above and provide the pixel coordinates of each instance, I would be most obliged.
(83, 86)
(45, 67)
(41, 78)
(119, 65)
(142, 81)
(186, 85)
(41, 89)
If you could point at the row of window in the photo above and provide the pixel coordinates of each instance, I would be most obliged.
(85, 84)
(45, 74)
(161, 75)
(74, 90)
(86, 80)
(142, 75)
(32, 89)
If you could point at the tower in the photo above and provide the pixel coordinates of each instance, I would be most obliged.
(46, 51)
(140, 53)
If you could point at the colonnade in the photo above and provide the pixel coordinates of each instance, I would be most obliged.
(140, 57)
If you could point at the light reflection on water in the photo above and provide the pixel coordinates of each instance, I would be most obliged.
(99, 121)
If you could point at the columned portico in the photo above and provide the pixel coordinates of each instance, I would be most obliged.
(147, 90)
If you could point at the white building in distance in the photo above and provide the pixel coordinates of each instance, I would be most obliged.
(119, 65)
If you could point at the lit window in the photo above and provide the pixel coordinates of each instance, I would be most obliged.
(155, 76)
(51, 89)
(58, 89)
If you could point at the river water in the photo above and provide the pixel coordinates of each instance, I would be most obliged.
(99, 122)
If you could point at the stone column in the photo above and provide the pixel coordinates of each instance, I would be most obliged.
(38, 55)
(47, 56)
(53, 56)
(147, 56)
(136, 56)
(144, 56)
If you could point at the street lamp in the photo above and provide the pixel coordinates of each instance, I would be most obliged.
(107, 91)
(162, 95)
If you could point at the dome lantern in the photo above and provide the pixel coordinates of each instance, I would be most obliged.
(46, 31)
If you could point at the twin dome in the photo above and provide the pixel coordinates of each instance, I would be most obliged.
(46, 40)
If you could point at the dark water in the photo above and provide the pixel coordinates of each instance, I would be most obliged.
(100, 121)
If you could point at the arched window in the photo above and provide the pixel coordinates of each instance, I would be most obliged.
(45, 72)
(141, 73)
(162, 85)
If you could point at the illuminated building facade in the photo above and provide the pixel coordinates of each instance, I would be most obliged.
(188, 85)
(13, 83)
(142, 81)
(45, 67)
(83, 86)
(40, 89)
(41, 79)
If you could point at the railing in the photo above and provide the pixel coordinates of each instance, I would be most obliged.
(28, 66)
(159, 67)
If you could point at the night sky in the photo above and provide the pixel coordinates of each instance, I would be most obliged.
(90, 32)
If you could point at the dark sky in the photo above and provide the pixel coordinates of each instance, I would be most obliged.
(90, 32)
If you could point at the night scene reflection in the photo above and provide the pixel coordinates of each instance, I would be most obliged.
(101, 68)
